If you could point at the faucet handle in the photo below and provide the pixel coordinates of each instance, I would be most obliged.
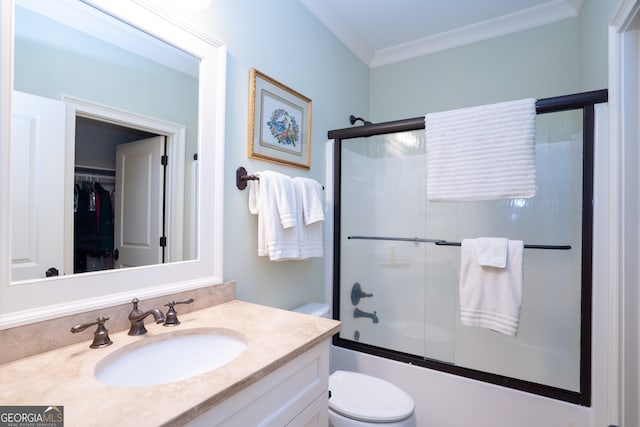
(101, 334)
(357, 293)
(171, 319)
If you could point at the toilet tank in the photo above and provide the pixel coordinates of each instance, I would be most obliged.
(314, 309)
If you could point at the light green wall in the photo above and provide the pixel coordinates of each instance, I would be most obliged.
(594, 21)
(283, 40)
(556, 59)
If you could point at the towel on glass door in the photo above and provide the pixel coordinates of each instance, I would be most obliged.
(482, 153)
(491, 297)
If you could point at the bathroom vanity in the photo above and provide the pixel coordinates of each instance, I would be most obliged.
(281, 377)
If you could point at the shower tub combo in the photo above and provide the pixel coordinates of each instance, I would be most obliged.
(397, 256)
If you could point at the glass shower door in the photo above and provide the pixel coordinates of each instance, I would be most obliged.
(398, 292)
(383, 207)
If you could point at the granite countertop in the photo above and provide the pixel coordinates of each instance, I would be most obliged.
(65, 377)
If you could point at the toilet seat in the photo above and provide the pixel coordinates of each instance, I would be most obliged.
(365, 398)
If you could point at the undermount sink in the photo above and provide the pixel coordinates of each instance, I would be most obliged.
(170, 357)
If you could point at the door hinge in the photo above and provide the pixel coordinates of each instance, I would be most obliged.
(164, 160)
(163, 241)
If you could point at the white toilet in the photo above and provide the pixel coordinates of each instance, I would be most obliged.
(359, 400)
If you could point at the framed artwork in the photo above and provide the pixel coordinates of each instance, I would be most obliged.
(279, 122)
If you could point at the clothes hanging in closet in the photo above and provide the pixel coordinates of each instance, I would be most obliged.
(93, 226)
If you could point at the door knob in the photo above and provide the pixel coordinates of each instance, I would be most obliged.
(51, 272)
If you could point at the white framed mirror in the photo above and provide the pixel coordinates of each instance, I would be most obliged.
(192, 221)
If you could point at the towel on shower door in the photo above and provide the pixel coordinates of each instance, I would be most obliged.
(491, 297)
(482, 153)
(311, 197)
(274, 199)
(492, 251)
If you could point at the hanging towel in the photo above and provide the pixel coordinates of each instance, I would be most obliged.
(274, 199)
(310, 234)
(491, 297)
(254, 208)
(312, 198)
(492, 251)
(482, 153)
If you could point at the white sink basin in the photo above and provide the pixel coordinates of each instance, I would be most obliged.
(170, 357)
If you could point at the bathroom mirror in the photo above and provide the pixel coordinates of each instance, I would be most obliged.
(116, 68)
(129, 101)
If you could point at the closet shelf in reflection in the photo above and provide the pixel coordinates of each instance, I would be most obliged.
(95, 171)
(441, 242)
(94, 174)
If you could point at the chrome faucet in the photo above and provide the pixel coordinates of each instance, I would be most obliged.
(137, 316)
(359, 313)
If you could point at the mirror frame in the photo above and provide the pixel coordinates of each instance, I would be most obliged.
(42, 299)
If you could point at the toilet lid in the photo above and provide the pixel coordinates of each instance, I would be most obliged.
(366, 398)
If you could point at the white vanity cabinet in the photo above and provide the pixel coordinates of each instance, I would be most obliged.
(296, 395)
(280, 379)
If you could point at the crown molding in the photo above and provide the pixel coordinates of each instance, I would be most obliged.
(547, 13)
(544, 14)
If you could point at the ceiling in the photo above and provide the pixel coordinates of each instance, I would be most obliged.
(384, 32)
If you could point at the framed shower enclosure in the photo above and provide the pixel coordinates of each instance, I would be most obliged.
(397, 256)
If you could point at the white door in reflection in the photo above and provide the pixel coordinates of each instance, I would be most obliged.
(37, 174)
(139, 202)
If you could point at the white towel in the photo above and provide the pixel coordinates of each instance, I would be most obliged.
(254, 208)
(491, 297)
(274, 199)
(312, 199)
(482, 153)
(492, 251)
(310, 234)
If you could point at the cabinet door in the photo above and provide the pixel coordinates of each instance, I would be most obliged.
(37, 186)
(296, 392)
(315, 415)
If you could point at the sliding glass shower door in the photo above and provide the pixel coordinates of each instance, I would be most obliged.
(384, 208)
(399, 261)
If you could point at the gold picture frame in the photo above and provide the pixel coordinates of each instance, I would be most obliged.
(279, 122)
